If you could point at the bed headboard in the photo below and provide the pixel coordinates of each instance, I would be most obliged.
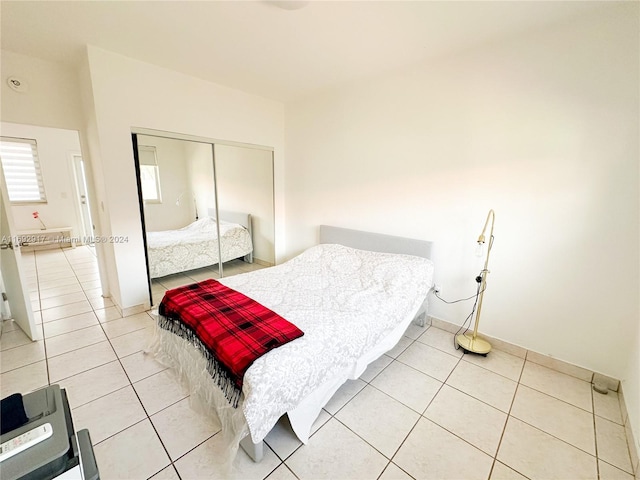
(242, 218)
(375, 242)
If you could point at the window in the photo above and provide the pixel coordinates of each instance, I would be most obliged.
(22, 170)
(149, 174)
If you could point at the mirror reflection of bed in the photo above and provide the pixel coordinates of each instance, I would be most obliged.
(188, 197)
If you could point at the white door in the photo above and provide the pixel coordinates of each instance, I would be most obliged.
(83, 197)
(12, 271)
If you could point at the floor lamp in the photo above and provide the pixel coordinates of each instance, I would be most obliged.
(468, 341)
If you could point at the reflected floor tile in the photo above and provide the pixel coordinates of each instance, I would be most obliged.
(58, 301)
(430, 452)
(133, 453)
(133, 342)
(536, 454)
(354, 459)
(12, 339)
(107, 314)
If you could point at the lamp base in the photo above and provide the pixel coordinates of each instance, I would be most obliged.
(477, 345)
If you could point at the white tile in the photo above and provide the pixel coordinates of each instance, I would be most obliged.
(430, 452)
(20, 356)
(98, 303)
(122, 326)
(354, 459)
(12, 339)
(131, 454)
(62, 300)
(74, 340)
(109, 414)
(558, 418)
(61, 290)
(499, 362)
(442, 340)
(281, 438)
(491, 388)
(612, 444)
(414, 331)
(159, 391)
(282, 473)
(181, 428)
(69, 324)
(502, 472)
(472, 420)
(132, 342)
(93, 293)
(80, 360)
(393, 472)
(400, 347)
(56, 313)
(168, 473)
(90, 285)
(560, 366)
(375, 367)
(407, 385)
(95, 383)
(609, 472)
(206, 461)
(107, 314)
(608, 406)
(141, 365)
(24, 379)
(345, 393)
(429, 360)
(560, 385)
(536, 454)
(379, 419)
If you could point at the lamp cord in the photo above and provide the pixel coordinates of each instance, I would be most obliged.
(470, 316)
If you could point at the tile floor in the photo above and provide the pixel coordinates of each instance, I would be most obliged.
(422, 411)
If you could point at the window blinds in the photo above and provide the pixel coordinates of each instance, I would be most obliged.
(22, 171)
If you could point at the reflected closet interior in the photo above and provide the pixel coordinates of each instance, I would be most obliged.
(207, 208)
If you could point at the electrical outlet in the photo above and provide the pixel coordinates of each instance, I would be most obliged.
(436, 288)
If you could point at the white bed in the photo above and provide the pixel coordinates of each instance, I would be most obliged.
(196, 245)
(352, 305)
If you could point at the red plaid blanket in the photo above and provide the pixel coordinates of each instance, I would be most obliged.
(233, 329)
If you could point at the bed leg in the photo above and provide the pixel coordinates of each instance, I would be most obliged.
(254, 450)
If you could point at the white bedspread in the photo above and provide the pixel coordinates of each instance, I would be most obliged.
(195, 246)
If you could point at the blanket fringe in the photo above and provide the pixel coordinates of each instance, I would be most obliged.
(217, 371)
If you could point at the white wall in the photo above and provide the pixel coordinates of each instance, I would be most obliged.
(128, 94)
(200, 172)
(55, 149)
(544, 129)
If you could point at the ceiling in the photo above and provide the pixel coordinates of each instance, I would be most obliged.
(257, 47)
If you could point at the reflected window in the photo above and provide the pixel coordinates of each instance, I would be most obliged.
(149, 174)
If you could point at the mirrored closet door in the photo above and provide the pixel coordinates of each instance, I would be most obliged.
(207, 209)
